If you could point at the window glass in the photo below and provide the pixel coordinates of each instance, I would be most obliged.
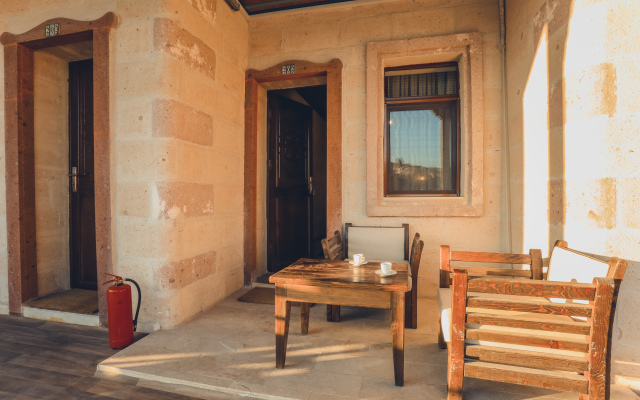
(421, 143)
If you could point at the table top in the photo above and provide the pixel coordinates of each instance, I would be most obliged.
(325, 273)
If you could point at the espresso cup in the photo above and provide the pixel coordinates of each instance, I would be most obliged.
(358, 259)
(385, 267)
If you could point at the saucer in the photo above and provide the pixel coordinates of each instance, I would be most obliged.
(357, 265)
(393, 272)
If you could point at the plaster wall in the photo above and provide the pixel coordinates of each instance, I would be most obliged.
(177, 95)
(573, 122)
(51, 148)
(343, 32)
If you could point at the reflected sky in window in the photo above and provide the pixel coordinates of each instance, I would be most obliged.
(415, 136)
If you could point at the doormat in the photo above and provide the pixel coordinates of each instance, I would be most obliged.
(77, 301)
(262, 295)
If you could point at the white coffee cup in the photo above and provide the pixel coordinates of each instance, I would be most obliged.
(385, 267)
(358, 259)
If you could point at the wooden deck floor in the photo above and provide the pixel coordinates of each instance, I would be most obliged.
(50, 360)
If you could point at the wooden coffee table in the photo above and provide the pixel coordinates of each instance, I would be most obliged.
(338, 282)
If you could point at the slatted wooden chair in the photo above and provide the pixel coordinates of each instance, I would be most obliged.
(535, 332)
(332, 247)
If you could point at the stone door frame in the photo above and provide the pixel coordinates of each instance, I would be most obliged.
(304, 70)
(19, 148)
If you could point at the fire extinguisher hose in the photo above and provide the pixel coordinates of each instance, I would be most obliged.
(135, 320)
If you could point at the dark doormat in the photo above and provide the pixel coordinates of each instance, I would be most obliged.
(264, 278)
(262, 295)
(77, 301)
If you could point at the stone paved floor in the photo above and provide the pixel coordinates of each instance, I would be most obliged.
(230, 349)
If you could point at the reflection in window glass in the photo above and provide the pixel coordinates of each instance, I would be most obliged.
(420, 145)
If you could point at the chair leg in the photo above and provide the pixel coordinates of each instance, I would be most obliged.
(408, 306)
(455, 375)
(441, 343)
(333, 313)
(414, 306)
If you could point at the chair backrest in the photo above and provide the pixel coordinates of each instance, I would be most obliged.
(533, 259)
(414, 243)
(416, 254)
(332, 247)
(377, 242)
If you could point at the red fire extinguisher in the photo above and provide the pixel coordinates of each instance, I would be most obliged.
(121, 323)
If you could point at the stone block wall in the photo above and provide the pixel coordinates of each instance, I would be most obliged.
(320, 35)
(177, 95)
(573, 69)
(180, 168)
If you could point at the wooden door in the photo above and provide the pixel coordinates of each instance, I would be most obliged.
(289, 185)
(82, 227)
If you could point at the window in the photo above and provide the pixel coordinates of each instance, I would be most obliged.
(421, 144)
(404, 57)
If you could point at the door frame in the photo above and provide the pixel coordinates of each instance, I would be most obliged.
(274, 78)
(19, 149)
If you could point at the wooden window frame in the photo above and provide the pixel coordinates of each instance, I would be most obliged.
(417, 103)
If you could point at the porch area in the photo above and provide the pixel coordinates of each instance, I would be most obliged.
(229, 351)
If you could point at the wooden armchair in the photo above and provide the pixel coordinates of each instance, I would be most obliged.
(535, 332)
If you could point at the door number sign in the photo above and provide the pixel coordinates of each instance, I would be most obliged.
(52, 30)
(289, 69)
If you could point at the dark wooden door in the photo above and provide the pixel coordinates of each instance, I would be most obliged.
(289, 184)
(82, 226)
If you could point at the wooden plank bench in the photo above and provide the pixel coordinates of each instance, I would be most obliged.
(535, 332)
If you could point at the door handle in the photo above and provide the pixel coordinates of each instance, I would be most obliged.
(311, 185)
(74, 179)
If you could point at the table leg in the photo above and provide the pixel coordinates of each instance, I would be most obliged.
(283, 310)
(397, 336)
(304, 318)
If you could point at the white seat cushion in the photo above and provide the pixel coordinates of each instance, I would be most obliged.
(444, 306)
(568, 265)
(376, 243)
